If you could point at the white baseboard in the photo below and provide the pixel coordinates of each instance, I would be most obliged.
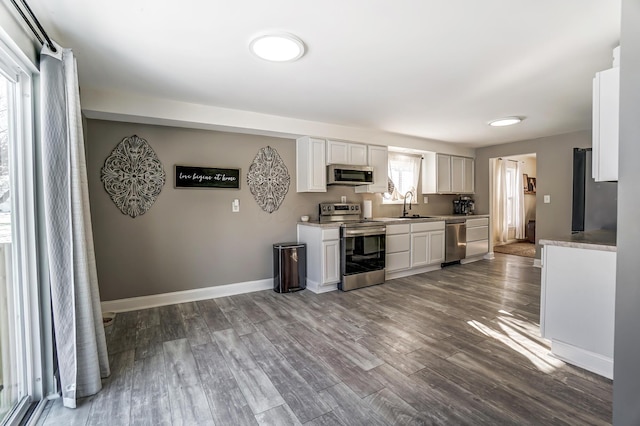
(315, 287)
(490, 256)
(583, 358)
(154, 300)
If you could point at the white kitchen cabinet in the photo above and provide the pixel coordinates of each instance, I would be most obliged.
(353, 154)
(477, 237)
(606, 107)
(323, 256)
(447, 174)
(419, 249)
(331, 261)
(311, 169)
(427, 243)
(436, 247)
(413, 248)
(398, 246)
(378, 158)
(577, 306)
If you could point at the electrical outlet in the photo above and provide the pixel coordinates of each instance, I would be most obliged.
(547, 199)
(425, 200)
(235, 206)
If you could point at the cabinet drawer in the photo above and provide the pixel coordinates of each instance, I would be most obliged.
(398, 242)
(331, 234)
(397, 261)
(481, 221)
(476, 248)
(477, 233)
(427, 226)
(398, 229)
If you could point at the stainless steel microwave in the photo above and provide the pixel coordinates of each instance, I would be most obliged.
(341, 174)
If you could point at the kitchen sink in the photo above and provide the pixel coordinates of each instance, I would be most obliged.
(415, 216)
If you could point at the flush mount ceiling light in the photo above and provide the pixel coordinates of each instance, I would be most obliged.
(277, 47)
(506, 121)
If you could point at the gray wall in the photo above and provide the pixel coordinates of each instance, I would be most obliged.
(626, 373)
(11, 22)
(189, 238)
(554, 164)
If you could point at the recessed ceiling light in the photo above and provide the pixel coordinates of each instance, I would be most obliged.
(506, 121)
(277, 47)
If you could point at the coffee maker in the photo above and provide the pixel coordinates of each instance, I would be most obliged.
(463, 205)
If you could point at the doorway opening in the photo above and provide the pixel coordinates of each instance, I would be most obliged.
(513, 188)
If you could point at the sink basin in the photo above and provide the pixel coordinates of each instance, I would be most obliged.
(414, 217)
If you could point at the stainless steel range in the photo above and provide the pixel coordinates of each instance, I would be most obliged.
(362, 245)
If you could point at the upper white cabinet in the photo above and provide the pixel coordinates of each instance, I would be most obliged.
(377, 157)
(447, 174)
(339, 152)
(311, 169)
(606, 106)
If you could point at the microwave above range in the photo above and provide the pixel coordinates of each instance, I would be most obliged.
(340, 174)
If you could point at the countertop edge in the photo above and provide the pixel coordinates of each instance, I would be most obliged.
(591, 240)
(397, 220)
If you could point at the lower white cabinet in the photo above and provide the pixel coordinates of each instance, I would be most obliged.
(414, 248)
(398, 246)
(577, 306)
(427, 243)
(477, 237)
(323, 256)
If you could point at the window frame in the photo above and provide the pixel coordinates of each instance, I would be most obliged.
(34, 300)
(412, 200)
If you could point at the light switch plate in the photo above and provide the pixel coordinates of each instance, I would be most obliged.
(235, 206)
(547, 199)
(425, 200)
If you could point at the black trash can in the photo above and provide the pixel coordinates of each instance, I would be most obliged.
(289, 267)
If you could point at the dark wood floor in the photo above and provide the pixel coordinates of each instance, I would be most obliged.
(456, 346)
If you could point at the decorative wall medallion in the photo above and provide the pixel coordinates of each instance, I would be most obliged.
(268, 179)
(133, 176)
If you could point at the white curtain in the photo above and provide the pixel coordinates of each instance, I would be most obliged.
(500, 214)
(79, 333)
(404, 172)
(518, 204)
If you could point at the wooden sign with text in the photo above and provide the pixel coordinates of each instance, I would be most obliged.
(206, 177)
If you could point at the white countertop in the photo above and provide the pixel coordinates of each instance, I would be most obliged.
(398, 220)
(602, 239)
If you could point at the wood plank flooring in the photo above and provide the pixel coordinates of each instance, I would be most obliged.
(456, 346)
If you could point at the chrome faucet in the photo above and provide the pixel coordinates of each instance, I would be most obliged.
(404, 203)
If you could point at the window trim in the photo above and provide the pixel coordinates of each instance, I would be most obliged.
(38, 359)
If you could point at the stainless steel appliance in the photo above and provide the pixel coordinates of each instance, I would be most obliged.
(455, 236)
(595, 204)
(463, 205)
(362, 245)
(340, 174)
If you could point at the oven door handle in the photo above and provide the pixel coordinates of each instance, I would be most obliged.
(365, 232)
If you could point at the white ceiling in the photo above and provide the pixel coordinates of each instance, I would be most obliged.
(435, 69)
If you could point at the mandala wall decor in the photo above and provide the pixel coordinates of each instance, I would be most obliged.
(268, 179)
(133, 176)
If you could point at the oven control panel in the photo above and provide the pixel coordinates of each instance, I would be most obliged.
(330, 212)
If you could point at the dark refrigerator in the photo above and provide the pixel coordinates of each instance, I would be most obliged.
(595, 204)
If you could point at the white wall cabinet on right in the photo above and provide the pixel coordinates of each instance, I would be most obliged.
(447, 174)
(353, 154)
(378, 158)
(606, 101)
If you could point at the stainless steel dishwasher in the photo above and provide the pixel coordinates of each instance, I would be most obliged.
(455, 236)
